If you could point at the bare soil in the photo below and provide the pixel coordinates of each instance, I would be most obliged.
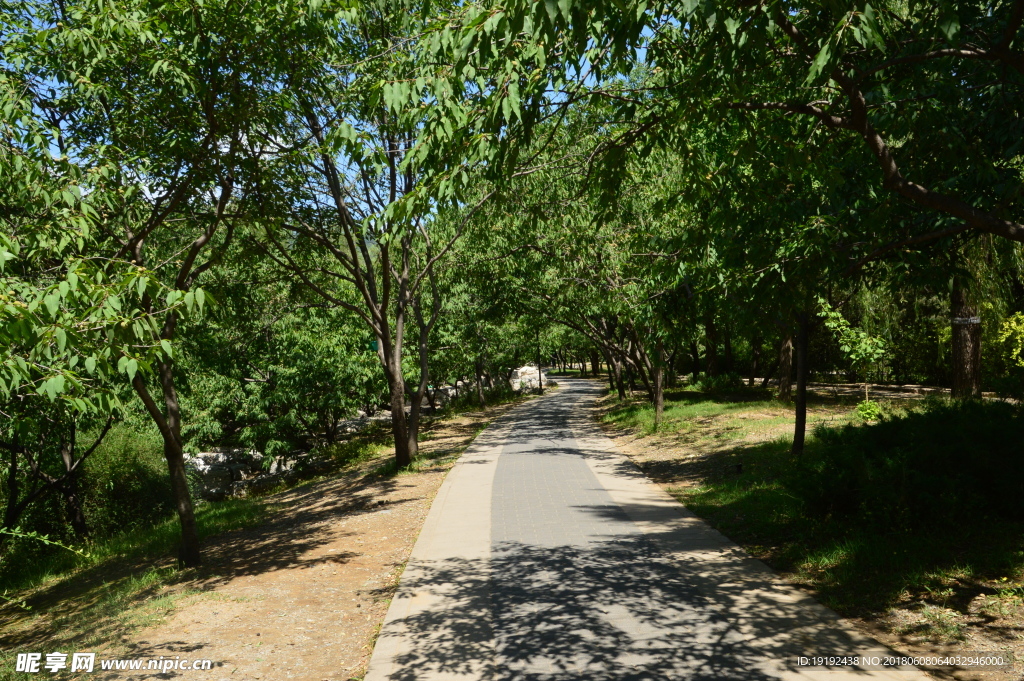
(301, 596)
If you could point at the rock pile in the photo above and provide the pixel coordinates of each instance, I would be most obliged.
(236, 472)
(525, 379)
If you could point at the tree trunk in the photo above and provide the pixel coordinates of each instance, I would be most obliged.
(711, 351)
(966, 328)
(480, 383)
(755, 352)
(595, 363)
(72, 500)
(404, 453)
(768, 375)
(73, 507)
(670, 368)
(188, 554)
(800, 426)
(11, 511)
(727, 339)
(695, 352)
(786, 368)
(659, 383)
(616, 367)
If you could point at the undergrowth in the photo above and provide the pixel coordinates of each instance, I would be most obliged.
(928, 501)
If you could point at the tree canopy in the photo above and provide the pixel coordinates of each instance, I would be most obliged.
(249, 224)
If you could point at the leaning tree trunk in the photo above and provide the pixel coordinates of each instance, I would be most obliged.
(800, 427)
(188, 554)
(786, 369)
(615, 364)
(966, 344)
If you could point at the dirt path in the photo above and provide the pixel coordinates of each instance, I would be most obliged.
(302, 597)
(299, 597)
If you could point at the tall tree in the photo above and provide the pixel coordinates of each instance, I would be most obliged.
(172, 98)
(347, 183)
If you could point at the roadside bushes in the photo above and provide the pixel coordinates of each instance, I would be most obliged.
(928, 467)
(123, 486)
(720, 384)
(125, 482)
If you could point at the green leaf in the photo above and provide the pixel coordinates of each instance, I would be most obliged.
(949, 23)
(731, 25)
(513, 98)
(552, 8)
(52, 303)
(821, 60)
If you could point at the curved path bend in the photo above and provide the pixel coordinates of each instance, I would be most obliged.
(548, 556)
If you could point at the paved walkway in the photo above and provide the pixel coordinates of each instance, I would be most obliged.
(548, 556)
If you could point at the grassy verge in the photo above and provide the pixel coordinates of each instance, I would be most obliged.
(923, 510)
(128, 581)
(125, 583)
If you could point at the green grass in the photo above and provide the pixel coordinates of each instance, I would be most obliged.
(911, 509)
(112, 611)
(924, 507)
(160, 539)
(115, 591)
(683, 408)
(127, 580)
(368, 446)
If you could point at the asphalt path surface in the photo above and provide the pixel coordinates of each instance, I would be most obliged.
(547, 556)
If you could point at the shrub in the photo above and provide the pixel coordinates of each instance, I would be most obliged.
(869, 411)
(928, 467)
(125, 483)
(722, 383)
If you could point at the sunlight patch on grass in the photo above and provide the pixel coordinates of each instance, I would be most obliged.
(684, 415)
